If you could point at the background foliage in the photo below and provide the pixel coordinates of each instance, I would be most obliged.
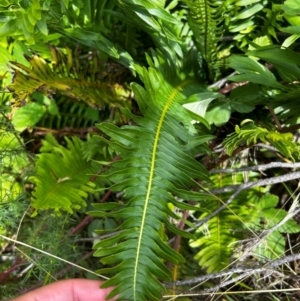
(160, 136)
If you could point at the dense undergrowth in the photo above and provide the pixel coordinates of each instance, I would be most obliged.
(161, 137)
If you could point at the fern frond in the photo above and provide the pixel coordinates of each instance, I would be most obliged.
(154, 167)
(68, 77)
(62, 177)
(204, 19)
(216, 239)
(71, 114)
(249, 133)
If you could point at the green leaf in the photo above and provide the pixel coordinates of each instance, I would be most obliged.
(49, 103)
(294, 30)
(162, 14)
(219, 113)
(290, 40)
(268, 201)
(252, 71)
(199, 102)
(291, 7)
(285, 61)
(250, 10)
(94, 40)
(28, 116)
(42, 26)
(9, 28)
(4, 59)
(154, 19)
(243, 98)
(245, 2)
(242, 26)
(271, 247)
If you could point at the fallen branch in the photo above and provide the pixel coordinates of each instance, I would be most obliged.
(257, 167)
(239, 188)
(244, 271)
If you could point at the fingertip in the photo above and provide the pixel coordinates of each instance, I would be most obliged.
(90, 288)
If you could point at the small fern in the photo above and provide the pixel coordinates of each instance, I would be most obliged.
(249, 134)
(63, 176)
(225, 237)
(216, 241)
(217, 238)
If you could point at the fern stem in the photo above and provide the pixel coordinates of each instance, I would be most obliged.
(176, 246)
(275, 118)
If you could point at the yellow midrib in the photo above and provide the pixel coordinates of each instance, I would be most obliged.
(159, 126)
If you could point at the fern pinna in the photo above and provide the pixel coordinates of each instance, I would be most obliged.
(154, 167)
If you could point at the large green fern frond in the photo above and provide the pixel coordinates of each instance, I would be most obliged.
(154, 167)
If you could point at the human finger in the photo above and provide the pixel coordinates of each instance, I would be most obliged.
(68, 290)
